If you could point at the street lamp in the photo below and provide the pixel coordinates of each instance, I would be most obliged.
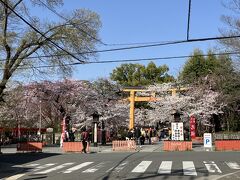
(95, 116)
(40, 119)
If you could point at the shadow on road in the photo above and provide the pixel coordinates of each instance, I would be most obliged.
(9, 162)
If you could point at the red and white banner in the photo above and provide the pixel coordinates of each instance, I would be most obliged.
(193, 127)
(63, 132)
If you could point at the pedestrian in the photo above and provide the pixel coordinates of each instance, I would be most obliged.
(84, 136)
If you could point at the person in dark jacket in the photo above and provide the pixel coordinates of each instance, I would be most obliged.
(84, 136)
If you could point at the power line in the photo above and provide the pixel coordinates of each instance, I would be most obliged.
(35, 29)
(72, 23)
(163, 44)
(119, 49)
(131, 60)
(138, 47)
(189, 15)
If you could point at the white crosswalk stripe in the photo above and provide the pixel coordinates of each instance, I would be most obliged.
(43, 166)
(142, 167)
(118, 168)
(189, 168)
(77, 167)
(212, 167)
(94, 168)
(165, 167)
(233, 165)
(55, 168)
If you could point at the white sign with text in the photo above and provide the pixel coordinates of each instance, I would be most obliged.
(207, 138)
(177, 131)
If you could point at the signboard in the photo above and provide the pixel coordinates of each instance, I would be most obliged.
(207, 138)
(177, 131)
(192, 127)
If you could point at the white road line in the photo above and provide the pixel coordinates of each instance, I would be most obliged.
(109, 169)
(212, 167)
(31, 165)
(43, 166)
(140, 168)
(15, 177)
(55, 168)
(77, 167)
(189, 168)
(27, 165)
(233, 165)
(165, 167)
(118, 168)
(94, 168)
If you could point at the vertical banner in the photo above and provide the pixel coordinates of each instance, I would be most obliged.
(193, 127)
(63, 132)
(177, 131)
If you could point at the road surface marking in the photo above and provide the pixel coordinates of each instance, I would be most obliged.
(15, 177)
(118, 168)
(189, 168)
(55, 168)
(94, 168)
(233, 165)
(212, 167)
(43, 166)
(27, 165)
(77, 167)
(165, 167)
(140, 168)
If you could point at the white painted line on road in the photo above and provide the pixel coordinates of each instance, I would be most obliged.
(77, 167)
(43, 166)
(233, 165)
(208, 162)
(109, 169)
(27, 165)
(15, 177)
(165, 167)
(189, 168)
(55, 168)
(140, 168)
(118, 168)
(212, 167)
(94, 168)
(31, 165)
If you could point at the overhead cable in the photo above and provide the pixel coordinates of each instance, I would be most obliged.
(42, 34)
(189, 15)
(130, 60)
(72, 23)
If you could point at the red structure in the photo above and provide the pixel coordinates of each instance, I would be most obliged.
(193, 127)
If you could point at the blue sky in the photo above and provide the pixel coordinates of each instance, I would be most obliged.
(135, 21)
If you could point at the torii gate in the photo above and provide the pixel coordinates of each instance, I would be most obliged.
(132, 99)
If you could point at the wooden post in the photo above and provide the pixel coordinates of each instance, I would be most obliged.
(132, 100)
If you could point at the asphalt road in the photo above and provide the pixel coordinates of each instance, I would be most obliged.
(138, 165)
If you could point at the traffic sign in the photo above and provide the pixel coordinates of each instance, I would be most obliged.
(207, 137)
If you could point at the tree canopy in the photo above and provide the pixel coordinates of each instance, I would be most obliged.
(199, 66)
(139, 75)
(53, 44)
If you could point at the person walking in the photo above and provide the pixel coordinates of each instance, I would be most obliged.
(84, 136)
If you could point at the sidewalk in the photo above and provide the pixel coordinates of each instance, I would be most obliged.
(157, 147)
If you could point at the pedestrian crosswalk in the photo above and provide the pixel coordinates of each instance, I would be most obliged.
(162, 168)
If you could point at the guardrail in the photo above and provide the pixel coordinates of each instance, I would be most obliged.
(30, 146)
(128, 145)
(177, 145)
(74, 147)
(227, 145)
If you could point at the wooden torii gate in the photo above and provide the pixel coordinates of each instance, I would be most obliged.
(152, 98)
